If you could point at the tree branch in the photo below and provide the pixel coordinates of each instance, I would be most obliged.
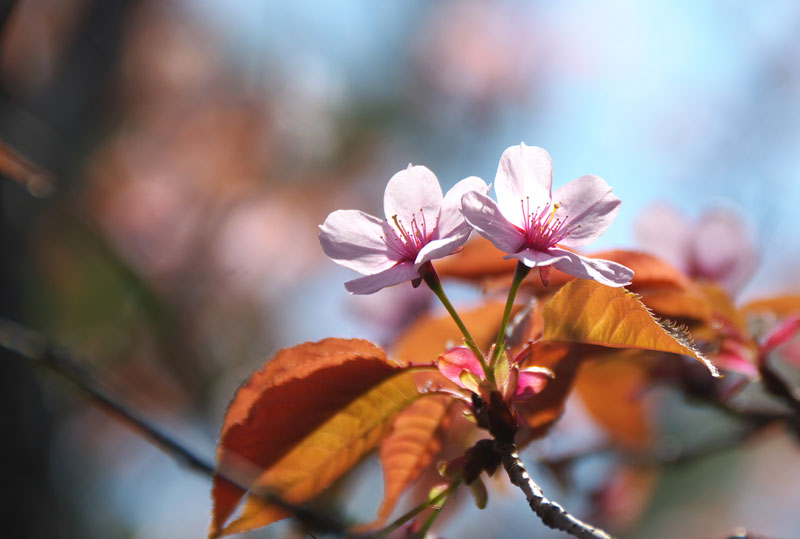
(551, 513)
(30, 345)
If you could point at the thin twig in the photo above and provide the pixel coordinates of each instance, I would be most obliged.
(31, 345)
(551, 513)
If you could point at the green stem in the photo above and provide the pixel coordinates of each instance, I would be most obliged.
(417, 510)
(431, 278)
(520, 273)
(423, 531)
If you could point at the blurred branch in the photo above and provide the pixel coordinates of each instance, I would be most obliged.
(551, 513)
(31, 345)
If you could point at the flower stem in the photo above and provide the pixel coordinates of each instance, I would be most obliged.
(431, 278)
(520, 273)
(419, 509)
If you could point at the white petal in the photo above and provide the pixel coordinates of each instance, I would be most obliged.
(372, 283)
(525, 174)
(603, 271)
(482, 213)
(532, 258)
(451, 220)
(352, 239)
(588, 206)
(443, 247)
(413, 193)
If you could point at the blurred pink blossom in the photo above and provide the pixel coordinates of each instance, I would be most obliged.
(717, 247)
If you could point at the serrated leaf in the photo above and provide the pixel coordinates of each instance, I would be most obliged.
(585, 311)
(410, 447)
(305, 419)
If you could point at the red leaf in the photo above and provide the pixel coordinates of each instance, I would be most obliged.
(288, 399)
(415, 439)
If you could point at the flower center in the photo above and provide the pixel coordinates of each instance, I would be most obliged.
(408, 240)
(542, 228)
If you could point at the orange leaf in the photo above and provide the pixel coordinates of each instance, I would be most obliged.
(686, 304)
(414, 441)
(779, 306)
(286, 410)
(611, 388)
(722, 304)
(476, 261)
(543, 409)
(430, 335)
(588, 312)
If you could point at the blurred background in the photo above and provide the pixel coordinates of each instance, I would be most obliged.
(166, 164)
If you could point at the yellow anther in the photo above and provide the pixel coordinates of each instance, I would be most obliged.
(556, 205)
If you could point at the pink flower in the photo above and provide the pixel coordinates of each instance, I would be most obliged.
(531, 223)
(717, 247)
(422, 225)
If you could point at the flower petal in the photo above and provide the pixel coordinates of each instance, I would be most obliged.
(410, 192)
(531, 382)
(524, 172)
(483, 214)
(443, 247)
(533, 258)
(603, 271)
(451, 220)
(783, 333)
(589, 208)
(372, 283)
(723, 249)
(352, 239)
(456, 360)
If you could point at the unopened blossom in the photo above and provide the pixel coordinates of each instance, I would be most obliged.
(421, 225)
(533, 224)
(525, 383)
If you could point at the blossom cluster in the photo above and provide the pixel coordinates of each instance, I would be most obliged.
(528, 221)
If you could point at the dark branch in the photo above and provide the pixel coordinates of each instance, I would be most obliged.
(30, 345)
(551, 513)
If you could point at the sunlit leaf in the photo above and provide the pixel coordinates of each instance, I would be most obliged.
(543, 409)
(431, 335)
(723, 307)
(410, 447)
(478, 260)
(611, 389)
(587, 312)
(778, 306)
(685, 304)
(305, 419)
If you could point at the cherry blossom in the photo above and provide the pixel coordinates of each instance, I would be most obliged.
(421, 225)
(533, 224)
(717, 247)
